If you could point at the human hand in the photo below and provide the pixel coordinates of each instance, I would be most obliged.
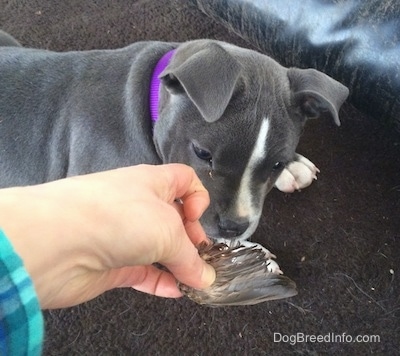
(81, 236)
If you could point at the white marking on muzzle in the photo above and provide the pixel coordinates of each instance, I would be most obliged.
(244, 202)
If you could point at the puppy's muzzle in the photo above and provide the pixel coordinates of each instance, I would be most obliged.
(231, 229)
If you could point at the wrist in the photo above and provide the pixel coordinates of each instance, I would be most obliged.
(31, 219)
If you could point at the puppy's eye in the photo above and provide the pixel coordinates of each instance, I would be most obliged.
(202, 154)
(278, 166)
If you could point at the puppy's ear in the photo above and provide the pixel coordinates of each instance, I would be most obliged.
(315, 93)
(207, 73)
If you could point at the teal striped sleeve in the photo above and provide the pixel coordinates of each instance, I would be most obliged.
(21, 319)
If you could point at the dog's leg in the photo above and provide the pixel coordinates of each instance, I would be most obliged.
(8, 40)
(297, 175)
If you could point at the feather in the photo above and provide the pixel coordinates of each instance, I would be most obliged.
(245, 275)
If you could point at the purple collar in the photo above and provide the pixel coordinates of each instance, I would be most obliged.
(155, 84)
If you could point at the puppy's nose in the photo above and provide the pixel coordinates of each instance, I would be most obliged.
(230, 229)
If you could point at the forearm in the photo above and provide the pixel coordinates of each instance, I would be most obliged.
(42, 232)
(81, 236)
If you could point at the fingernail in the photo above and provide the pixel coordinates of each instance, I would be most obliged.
(208, 276)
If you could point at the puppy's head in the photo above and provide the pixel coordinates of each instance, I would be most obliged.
(236, 116)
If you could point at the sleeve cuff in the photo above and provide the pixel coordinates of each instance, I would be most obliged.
(21, 319)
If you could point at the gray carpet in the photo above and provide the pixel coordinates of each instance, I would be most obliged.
(338, 239)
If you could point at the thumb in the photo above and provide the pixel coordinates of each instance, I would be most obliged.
(189, 268)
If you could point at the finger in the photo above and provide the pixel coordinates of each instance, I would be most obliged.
(195, 205)
(193, 228)
(178, 206)
(147, 279)
(184, 262)
(195, 232)
(182, 182)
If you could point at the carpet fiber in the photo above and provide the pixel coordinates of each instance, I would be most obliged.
(339, 239)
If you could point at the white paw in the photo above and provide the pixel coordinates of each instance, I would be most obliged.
(273, 267)
(297, 175)
(247, 243)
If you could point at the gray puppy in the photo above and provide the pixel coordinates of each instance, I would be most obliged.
(233, 114)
